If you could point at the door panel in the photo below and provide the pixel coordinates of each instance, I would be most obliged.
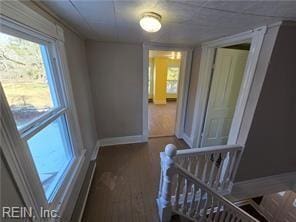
(224, 91)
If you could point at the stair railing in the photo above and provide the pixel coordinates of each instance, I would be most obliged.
(215, 166)
(197, 196)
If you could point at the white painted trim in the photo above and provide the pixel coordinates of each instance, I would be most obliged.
(145, 92)
(87, 193)
(122, 140)
(183, 85)
(207, 57)
(65, 80)
(249, 73)
(185, 70)
(23, 19)
(61, 21)
(19, 13)
(25, 177)
(263, 185)
(187, 140)
(95, 151)
(69, 186)
(256, 37)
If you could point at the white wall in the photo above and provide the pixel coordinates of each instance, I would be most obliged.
(76, 55)
(116, 72)
(270, 148)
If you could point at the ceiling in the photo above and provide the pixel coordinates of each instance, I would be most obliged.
(183, 22)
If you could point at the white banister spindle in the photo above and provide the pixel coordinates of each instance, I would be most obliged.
(197, 166)
(218, 211)
(223, 213)
(225, 175)
(164, 201)
(205, 207)
(205, 169)
(231, 165)
(198, 207)
(213, 168)
(192, 181)
(185, 196)
(212, 208)
(235, 166)
(218, 175)
(160, 181)
(192, 204)
(177, 193)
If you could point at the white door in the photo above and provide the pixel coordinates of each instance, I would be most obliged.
(224, 91)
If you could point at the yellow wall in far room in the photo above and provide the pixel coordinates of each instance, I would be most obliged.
(159, 80)
(160, 66)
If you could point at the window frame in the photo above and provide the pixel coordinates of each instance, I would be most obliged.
(151, 78)
(17, 152)
(173, 66)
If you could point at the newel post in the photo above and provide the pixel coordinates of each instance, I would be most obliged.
(167, 172)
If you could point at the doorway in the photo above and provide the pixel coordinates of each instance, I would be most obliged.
(227, 75)
(232, 124)
(163, 82)
(166, 80)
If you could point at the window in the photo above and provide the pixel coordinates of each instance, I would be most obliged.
(35, 96)
(172, 79)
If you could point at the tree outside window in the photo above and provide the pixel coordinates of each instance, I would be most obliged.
(172, 79)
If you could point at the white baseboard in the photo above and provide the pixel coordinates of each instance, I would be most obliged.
(187, 139)
(87, 192)
(122, 140)
(96, 151)
(263, 186)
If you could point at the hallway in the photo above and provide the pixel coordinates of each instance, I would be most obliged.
(126, 182)
(162, 119)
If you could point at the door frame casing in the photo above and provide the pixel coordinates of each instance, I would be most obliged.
(183, 85)
(255, 37)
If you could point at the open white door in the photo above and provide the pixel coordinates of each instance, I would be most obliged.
(226, 82)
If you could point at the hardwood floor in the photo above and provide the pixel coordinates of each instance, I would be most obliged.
(126, 182)
(162, 119)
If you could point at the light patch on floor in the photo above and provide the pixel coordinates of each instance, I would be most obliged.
(126, 182)
(108, 180)
(162, 119)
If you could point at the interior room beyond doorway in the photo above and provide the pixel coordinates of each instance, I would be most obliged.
(163, 79)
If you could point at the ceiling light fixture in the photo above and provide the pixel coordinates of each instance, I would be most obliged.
(150, 22)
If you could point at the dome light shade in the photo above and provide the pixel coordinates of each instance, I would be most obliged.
(150, 22)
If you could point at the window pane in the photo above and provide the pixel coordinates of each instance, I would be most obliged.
(172, 79)
(173, 73)
(25, 77)
(51, 152)
(172, 86)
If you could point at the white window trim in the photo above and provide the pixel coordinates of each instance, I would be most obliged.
(18, 16)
